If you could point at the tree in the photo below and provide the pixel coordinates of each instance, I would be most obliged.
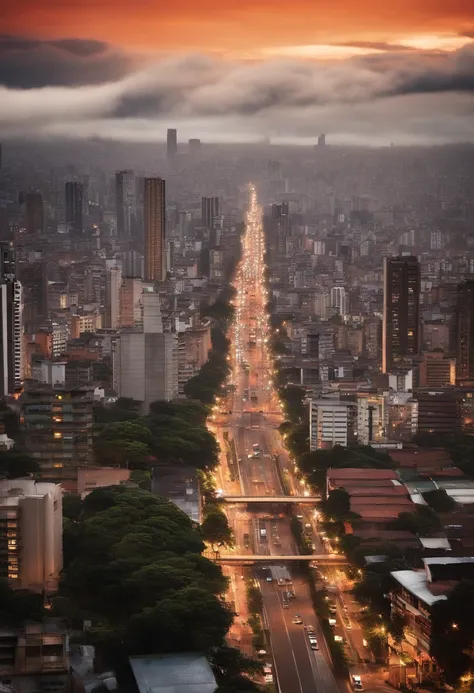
(14, 465)
(422, 522)
(337, 505)
(439, 500)
(396, 627)
(293, 399)
(215, 528)
(452, 632)
(72, 506)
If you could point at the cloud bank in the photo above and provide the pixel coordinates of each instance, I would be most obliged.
(97, 91)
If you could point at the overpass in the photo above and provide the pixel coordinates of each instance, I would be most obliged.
(320, 559)
(298, 500)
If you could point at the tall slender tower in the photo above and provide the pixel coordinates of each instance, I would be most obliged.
(11, 325)
(464, 331)
(125, 194)
(34, 213)
(74, 201)
(155, 213)
(401, 311)
(171, 143)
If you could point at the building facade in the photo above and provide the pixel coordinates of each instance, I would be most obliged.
(401, 312)
(155, 221)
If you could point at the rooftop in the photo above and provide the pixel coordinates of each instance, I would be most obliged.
(415, 581)
(174, 673)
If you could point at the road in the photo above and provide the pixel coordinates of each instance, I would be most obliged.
(250, 434)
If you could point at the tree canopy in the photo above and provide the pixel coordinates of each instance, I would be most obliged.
(14, 465)
(137, 572)
(452, 632)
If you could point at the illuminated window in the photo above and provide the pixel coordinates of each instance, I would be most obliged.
(57, 434)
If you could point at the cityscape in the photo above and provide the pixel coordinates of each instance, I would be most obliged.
(236, 348)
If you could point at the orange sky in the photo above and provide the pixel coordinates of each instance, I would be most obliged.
(240, 27)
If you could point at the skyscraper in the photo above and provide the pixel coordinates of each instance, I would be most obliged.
(125, 193)
(155, 212)
(464, 331)
(209, 211)
(34, 215)
(401, 311)
(11, 325)
(171, 143)
(74, 201)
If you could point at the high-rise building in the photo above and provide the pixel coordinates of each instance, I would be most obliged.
(146, 359)
(464, 331)
(11, 325)
(126, 201)
(130, 302)
(57, 428)
(401, 312)
(74, 205)
(155, 218)
(34, 281)
(34, 214)
(32, 534)
(113, 282)
(171, 143)
(209, 211)
(332, 422)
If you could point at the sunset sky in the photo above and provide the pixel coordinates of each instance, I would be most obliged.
(239, 69)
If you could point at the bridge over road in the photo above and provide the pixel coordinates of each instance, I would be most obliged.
(297, 500)
(320, 559)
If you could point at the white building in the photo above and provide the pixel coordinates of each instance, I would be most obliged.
(146, 359)
(339, 300)
(331, 422)
(31, 514)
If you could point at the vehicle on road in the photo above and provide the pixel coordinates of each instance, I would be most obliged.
(310, 629)
(332, 608)
(297, 620)
(332, 622)
(281, 582)
(356, 682)
(269, 579)
(313, 643)
(339, 638)
(286, 604)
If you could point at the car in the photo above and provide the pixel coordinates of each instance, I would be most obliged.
(339, 638)
(357, 682)
(313, 643)
(291, 594)
(286, 605)
(348, 624)
(268, 678)
(332, 622)
(332, 608)
(281, 582)
(297, 620)
(269, 578)
(310, 630)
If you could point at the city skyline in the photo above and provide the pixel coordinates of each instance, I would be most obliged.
(362, 73)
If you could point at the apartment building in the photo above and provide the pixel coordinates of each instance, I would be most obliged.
(31, 527)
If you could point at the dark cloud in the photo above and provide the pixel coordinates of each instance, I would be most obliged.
(30, 63)
(394, 94)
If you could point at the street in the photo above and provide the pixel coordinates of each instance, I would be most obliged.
(249, 420)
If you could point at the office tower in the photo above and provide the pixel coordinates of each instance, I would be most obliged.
(126, 201)
(209, 212)
(34, 215)
(464, 331)
(113, 281)
(146, 359)
(194, 145)
(11, 325)
(171, 143)
(31, 540)
(74, 202)
(57, 428)
(155, 212)
(401, 311)
(322, 140)
(133, 264)
(436, 370)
